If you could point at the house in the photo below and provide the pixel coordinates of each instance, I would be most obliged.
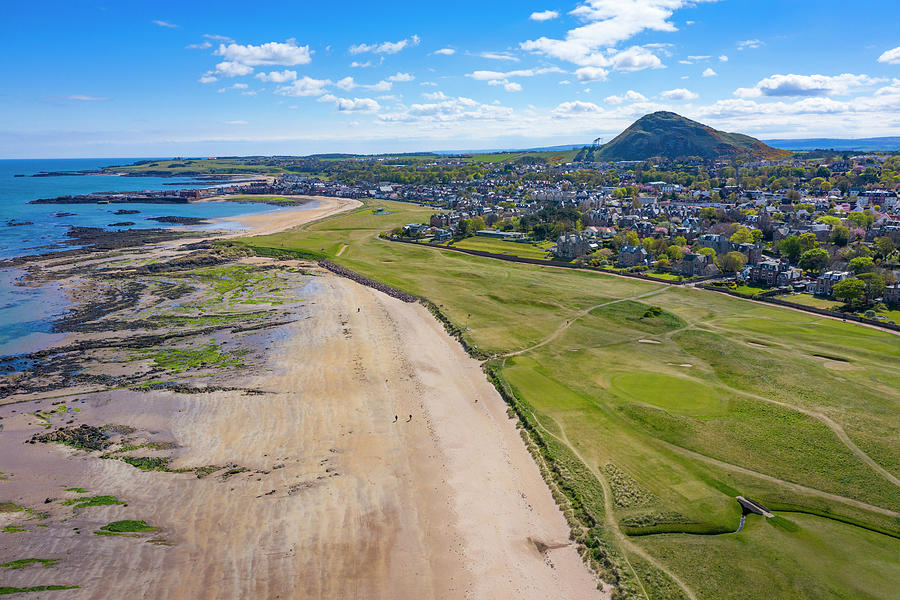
(693, 265)
(573, 245)
(825, 282)
(719, 243)
(774, 273)
(632, 256)
(892, 294)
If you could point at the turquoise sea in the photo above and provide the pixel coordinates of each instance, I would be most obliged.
(27, 312)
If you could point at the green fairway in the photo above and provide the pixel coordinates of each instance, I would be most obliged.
(485, 244)
(651, 422)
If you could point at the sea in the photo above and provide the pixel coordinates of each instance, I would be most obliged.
(27, 311)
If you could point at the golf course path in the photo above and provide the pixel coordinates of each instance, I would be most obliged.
(582, 313)
(793, 486)
(610, 519)
(838, 431)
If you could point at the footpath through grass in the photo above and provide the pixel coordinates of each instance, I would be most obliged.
(673, 412)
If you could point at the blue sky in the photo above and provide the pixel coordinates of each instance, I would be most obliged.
(215, 78)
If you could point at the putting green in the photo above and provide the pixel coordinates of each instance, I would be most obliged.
(674, 394)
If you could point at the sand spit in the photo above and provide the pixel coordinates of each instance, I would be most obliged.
(267, 224)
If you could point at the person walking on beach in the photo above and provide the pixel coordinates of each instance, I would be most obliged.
(395, 418)
(409, 419)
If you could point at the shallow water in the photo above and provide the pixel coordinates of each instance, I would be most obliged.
(27, 313)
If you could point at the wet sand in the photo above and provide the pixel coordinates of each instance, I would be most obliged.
(318, 493)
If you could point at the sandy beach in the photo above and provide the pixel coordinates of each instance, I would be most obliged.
(364, 455)
(266, 224)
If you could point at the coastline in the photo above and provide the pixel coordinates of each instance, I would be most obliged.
(312, 486)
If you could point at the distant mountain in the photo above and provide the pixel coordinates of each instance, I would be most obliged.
(863, 144)
(669, 135)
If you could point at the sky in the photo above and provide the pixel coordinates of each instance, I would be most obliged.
(131, 79)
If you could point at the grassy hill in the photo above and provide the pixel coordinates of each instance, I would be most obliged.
(672, 136)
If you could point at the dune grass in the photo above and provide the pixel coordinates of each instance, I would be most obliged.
(729, 399)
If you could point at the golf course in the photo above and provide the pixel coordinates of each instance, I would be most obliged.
(650, 407)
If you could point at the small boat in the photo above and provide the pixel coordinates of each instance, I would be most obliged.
(102, 201)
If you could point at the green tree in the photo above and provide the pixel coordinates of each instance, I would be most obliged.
(632, 239)
(757, 235)
(849, 290)
(829, 219)
(862, 264)
(863, 220)
(732, 262)
(884, 246)
(675, 252)
(741, 235)
(840, 235)
(874, 285)
(808, 241)
(708, 252)
(791, 247)
(814, 259)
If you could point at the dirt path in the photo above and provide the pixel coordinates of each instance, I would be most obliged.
(337, 500)
(793, 486)
(612, 525)
(582, 313)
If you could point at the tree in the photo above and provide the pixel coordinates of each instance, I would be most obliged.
(862, 264)
(675, 252)
(632, 239)
(862, 220)
(849, 290)
(840, 235)
(829, 219)
(732, 262)
(814, 259)
(808, 241)
(874, 285)
(790, 247)
(741, 235)
(757, 235)
(681, 241)
(708, 252)
(884, 246)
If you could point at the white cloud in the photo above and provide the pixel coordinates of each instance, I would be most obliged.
(591, 74)
(544, 15)
(608, 23)
(217, 38)
(271, 53)
(238, 122)
(85, 98)
(576, 109)
(487, 75)
(445, 52)
(891, 57)
(629, 96)
(386, 47)
(353, 105)
(449, 110)
(680, 94)
(749, 44)
(709, 72)
(201, 46)
(806, 85)
(166, 24)
(304, 86)
(208, 77)
(509, 86)
(232, 69)
(635, 58)
(499, 56)
(723, 58)
(401, 77)
(435, 95)
(699, 58)
(348, 83)
(278, 76)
